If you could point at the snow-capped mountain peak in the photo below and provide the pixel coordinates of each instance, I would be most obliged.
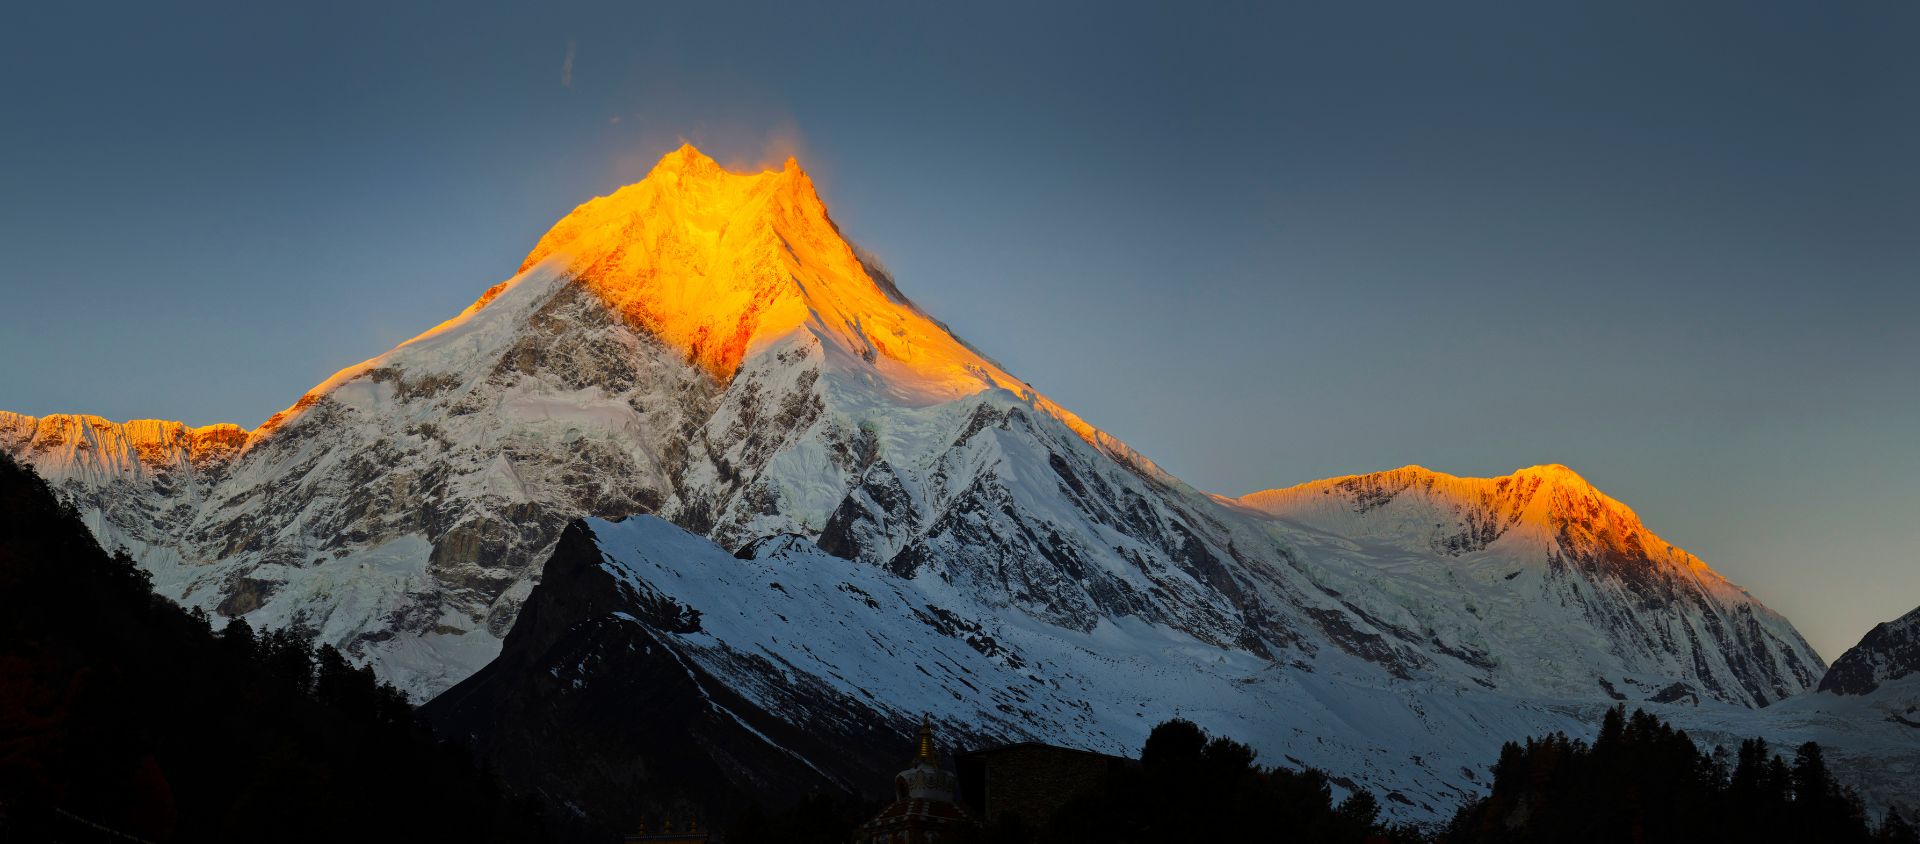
(705, 345)
(708, 260)
(1456, 515)
(1562, 543)
(720, 265)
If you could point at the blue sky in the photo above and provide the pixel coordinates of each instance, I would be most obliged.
(1672, 246)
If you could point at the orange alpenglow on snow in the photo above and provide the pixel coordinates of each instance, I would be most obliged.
(717, 264)
(708, 260)
(1549, 503)
(152, 443)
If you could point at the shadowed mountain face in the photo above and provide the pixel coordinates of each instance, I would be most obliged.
(595, 697)
(705, 347)
(1890, 651)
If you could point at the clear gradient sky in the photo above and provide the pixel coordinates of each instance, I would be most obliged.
(1674, 246)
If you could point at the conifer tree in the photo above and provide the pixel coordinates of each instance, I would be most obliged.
(1894, 829)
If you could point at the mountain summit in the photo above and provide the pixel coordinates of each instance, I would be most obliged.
(714, 262)
(718, 264)
(1418, 508)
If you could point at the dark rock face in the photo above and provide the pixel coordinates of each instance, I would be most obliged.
(1889, 651)
(593, 698)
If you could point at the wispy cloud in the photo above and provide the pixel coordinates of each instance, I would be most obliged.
(566, 67)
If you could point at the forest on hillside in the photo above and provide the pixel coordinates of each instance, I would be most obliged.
(123, 716)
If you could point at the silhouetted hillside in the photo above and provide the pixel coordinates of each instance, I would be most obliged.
(1190, 786)
(122, 715)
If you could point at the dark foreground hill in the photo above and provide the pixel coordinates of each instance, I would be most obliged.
(124, 717)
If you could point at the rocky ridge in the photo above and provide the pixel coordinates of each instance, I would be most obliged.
(1889, 652)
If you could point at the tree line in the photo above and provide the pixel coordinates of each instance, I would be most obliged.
(124, 717)
(1643, 780)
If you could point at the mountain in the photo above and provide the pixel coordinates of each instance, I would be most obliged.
(1556, 550)
(622, 700)
(1865, 714)
(1889, 652)
(402, 507)
(706, 348)
(651, 668)
(1587, 555)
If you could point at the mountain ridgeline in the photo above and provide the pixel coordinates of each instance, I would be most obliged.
(701, 369)
(1889, 652)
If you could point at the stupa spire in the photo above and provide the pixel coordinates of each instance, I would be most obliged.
(925, 752)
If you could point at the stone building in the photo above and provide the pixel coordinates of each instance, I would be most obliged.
(1030, 779)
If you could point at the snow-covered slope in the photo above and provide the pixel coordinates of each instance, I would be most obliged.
(798, 669)
(1871, 741)
(704, 346)
(138, 483)
(1866, 714)
(1549, 567)
(650, 661)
